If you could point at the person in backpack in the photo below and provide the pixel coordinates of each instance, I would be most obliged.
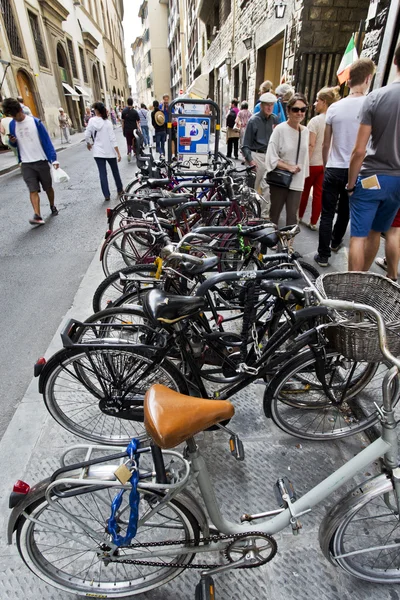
(158, 120)
(100, 136)
(131, 121)
(143, 114)
(35, 151)
(232, 132)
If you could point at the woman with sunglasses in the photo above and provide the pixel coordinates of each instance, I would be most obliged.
(288, 151)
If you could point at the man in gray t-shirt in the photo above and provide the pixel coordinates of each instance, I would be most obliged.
(375, 195)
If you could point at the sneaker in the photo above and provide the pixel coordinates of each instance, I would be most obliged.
(336, 248)
(107, 200)
(129, 158)
(322, 262)
(54, 211)
(312, 227)
(381, 262)
(36, 220)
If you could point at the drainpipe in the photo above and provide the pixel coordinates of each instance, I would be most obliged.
(182, 28)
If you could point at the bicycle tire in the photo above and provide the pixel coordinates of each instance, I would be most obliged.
(302, 408)
(73, 389)
(369, 520)
(60, 560)
(129, 209)
(110, 288)
(123, 250)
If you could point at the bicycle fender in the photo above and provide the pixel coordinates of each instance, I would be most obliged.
(351, 502)
(35, 493)
(49, 366)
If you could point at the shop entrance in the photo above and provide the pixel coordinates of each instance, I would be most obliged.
(25, 87)
(269, 64)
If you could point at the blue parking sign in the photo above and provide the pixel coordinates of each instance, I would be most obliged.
(193, 135)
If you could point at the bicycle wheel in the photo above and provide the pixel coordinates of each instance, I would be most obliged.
(134, 208)
(110, 288)
(369, 532)
(297, 403)
(83, 380)
(124, 250)
(65, 552)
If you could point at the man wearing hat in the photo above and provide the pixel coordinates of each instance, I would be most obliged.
(255, 144)
(63, 121)
(160, 127)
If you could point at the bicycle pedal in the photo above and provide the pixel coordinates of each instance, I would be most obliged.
(236, 447)
(205, 589)
(284, 487)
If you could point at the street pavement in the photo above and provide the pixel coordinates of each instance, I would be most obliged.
(50, 275)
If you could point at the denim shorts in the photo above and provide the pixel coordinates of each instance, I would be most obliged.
(374, 209)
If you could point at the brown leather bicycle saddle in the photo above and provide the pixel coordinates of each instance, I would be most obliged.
(171, 418)
(161, 307)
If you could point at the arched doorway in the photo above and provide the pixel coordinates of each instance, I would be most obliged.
(96, 84)
(67, 103)
(26, 90)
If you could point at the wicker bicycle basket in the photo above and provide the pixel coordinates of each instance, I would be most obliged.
(356, 337)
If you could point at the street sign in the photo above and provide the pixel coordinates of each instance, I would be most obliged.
(193, 134)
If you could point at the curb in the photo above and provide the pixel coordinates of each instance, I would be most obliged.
(57, 149)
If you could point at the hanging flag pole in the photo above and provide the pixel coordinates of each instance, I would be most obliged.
(349, 57)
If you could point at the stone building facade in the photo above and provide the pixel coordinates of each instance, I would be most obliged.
(150, 55)
(62, 54)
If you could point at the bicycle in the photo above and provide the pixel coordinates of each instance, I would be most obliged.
(86, 547)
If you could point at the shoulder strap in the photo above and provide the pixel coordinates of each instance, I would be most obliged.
(298, 146)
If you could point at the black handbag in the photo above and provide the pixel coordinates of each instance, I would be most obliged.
(281, 177)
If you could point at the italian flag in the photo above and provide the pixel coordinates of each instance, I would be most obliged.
(349, 57)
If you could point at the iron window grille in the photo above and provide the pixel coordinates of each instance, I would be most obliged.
(105, 77)
(72, 58)
(37, 37)
(11, 27)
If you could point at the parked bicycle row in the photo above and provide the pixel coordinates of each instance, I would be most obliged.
(202, 299)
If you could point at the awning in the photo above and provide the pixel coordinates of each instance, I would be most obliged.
(71, 92)
(199, 87)
(82, 91)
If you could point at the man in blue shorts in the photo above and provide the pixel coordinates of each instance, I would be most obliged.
(374, 175)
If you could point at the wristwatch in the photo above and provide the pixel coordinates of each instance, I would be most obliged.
(350, 189)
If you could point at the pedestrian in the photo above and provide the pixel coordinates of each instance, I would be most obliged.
(131, 122)
(242, 119)
(283, 93)
(391, 259)
(144, 125)
(5, 133)
(288, 151)
(158, 121)
(374, 177)
(87, 116)
(255, 144)
(100, 136)
(35, 151)
(264, 88)
(25, 109)
(164, 106)
(341, 127)
(232, 131)
(325, 97)
(64, 123)
(152, 131)
(113, 117)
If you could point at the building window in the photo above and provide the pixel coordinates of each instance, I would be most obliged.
(82, 56)
(105, 77)
(37, 38)
(148, 57)
(146, 35)
(11, 27)
(72, 58)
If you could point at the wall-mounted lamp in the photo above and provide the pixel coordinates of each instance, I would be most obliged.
(248, 42)
(228, 59)
(280, 8)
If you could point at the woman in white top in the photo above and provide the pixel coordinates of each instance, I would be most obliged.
(282, 153)
(316, 127)
(100, 136)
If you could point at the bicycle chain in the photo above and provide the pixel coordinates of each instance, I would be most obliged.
(204, 541)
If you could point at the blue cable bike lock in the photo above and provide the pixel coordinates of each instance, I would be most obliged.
(134, 499)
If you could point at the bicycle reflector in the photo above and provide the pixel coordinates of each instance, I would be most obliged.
(39, 364)
(109, 213)
(107, 234)
(20, 490)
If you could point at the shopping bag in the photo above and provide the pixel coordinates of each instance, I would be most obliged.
(60, 176)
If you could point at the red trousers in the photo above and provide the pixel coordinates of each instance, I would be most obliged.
(314, 180)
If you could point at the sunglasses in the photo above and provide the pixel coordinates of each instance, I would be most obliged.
(297, 109)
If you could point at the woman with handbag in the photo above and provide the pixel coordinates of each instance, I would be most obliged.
(287, 161)
(242, 119)
(64, 123)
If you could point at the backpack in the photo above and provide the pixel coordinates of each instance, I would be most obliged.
(230, 119)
